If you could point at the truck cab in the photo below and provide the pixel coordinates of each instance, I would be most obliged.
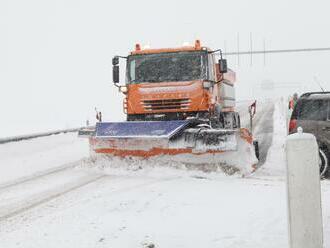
(177, 83)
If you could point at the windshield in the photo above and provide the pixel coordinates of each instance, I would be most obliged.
(313, 110)
(167, 67)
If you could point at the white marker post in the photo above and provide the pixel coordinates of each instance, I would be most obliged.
(304, 193)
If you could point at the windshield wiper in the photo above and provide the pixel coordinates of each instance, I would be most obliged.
(151, 80)
(144, 81)
(159, 80)
(133, 81)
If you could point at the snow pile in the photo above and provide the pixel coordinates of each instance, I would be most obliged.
(242, 107)
(154, 167)
(275, 162)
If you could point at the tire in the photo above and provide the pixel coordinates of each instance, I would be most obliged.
(323, 163)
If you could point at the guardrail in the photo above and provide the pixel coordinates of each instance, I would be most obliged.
(36, 135)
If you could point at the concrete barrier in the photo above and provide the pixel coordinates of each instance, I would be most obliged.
(36, 135)
(303, 191)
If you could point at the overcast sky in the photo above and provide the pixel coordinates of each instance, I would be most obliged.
(55, 56)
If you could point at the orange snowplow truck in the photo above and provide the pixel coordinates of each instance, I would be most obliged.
(177, 83)
(180, 106)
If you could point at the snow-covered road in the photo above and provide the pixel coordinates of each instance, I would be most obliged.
(163, 207)
(52, 196)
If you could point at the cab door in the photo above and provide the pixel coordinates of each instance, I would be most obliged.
(311, 114)
(323, 134)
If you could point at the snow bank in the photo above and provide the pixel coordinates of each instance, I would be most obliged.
(275, 162)
(242, 107)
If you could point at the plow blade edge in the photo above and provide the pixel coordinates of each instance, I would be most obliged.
(174, 141)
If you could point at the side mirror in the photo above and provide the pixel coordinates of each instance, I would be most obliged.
(223, 66)
(115, 74)
(115, 60)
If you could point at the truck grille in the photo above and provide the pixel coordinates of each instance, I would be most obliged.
(164, 104)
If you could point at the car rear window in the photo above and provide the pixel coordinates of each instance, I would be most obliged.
(313, 110)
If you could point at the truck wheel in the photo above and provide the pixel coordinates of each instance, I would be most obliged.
(323, 163)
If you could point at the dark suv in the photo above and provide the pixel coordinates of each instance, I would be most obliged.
(311, 112)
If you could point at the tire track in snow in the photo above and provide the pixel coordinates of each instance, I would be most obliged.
(36, 200)
(46, 196)
(38, 175)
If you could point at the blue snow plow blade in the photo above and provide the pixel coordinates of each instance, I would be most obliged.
(140, 129)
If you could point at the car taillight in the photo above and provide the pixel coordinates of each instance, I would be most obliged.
(292, 125)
